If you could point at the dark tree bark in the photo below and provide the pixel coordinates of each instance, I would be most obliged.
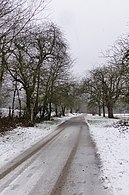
(99, 107)
(19, 100)
(103, 109)
(49, 112)
(110, 111)
(28, 106)
(13, 103)
(63, 110)
(9, 111)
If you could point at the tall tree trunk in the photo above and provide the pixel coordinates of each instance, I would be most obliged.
(32, 115)
(99, 107)
(103, 109)
(9, 111)
(13, 103)
(19, 100)
(110, 111)
(63, 110)
(28, 107)
(49, 111)
(0, 93)
(14, 96)
(37, 95)
(43, 112)
(2, 69)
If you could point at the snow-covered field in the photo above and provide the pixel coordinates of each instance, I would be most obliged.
(112, 146)
(18, 140)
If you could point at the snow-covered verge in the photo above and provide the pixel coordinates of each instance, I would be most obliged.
(14, 142)
(112, 146)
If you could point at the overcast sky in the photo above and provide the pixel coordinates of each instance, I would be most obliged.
(90, 26)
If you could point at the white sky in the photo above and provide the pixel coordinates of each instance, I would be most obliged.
(90, 26)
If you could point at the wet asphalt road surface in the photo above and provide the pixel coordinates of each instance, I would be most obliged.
(65, 165)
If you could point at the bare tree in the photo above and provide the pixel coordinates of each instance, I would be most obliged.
(105, 86)
(14, 17)
(38, 61)
(56, 69)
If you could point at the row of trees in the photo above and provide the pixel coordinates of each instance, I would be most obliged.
(109, 84)
(35, 61)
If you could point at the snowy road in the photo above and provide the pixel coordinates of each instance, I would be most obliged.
(65, 165)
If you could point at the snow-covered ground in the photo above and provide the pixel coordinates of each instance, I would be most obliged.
(112, 146)
(18, 140)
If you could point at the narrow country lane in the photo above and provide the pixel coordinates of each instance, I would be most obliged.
(65, 165)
